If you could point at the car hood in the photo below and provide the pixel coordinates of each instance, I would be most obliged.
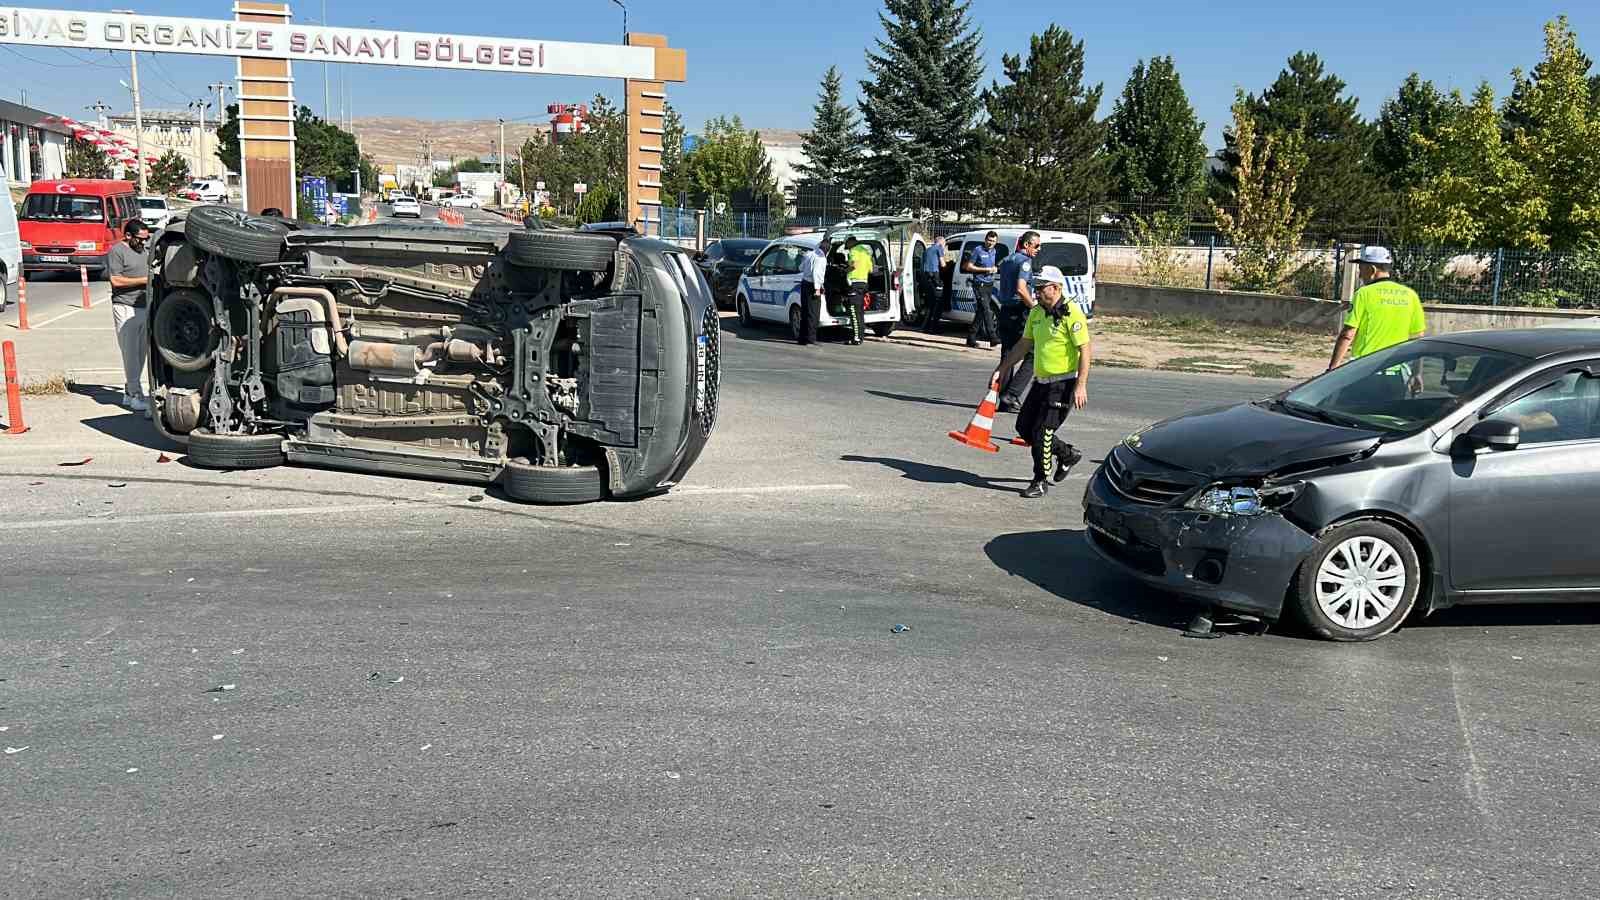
(1247, 440)
(60, 233)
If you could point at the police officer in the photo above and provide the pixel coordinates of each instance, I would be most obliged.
(859, 262)
(1057, 334)
(813, 284)
(981, 264)
(929, 283)
(1016, 302)
(1383, 312)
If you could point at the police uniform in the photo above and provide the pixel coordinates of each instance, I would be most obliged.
(860, 265)
(1013, 321)
(1058, 341)
(1383, 312)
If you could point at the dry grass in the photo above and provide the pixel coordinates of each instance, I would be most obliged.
(51, 386)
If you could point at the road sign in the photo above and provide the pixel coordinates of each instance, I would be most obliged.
(538, 185)
(580, 188)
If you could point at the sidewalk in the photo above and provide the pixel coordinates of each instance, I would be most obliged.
(79, 346)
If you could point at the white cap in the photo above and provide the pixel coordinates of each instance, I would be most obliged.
(1374, 255)
(1049, 275)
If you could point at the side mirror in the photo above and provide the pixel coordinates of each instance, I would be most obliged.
(1496, 434)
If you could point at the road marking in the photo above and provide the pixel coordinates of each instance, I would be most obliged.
(769, 489)
(210, 514)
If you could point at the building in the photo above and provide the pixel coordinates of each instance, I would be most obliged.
(174, 130)
(787, 154)
(32, 149)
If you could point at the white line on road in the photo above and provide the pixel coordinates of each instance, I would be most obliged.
(70, 311)
(769, 489)
(210, 514)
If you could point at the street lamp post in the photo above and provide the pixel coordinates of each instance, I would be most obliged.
(624, 19)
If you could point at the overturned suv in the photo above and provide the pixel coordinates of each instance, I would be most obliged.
(566, 366)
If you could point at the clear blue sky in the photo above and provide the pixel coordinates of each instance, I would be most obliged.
(763, 60)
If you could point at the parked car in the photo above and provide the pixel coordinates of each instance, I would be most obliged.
(464, 201)
(10, 253)
(564, 366)
(897, 247)
(73, 222)
(722, 262)
(1460, 469)
(405, 206)
(1066, 250)
(206, 190)
(154, 211)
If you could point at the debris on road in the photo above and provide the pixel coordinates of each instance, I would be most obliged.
(12, 750)
(900, 629)
(673, 775)
(133, 770)
(221, 688)
(218, 737)
(163, 458)
(427, 746)
(398, 680)
(475, 498)
(117, 484)
(84, 462)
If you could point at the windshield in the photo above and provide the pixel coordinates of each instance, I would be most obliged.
(1403, 388)
(152, 203)
(61, 208)
(742, 255)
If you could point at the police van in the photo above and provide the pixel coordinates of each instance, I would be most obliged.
(769, 289)
(1066, 250)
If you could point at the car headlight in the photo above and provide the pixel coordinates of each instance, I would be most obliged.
(90, 246)
(26, 245)
(1242, 500)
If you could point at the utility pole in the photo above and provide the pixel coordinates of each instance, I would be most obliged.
(138, 110)
(502, 153)
(327, 111)
(199, 106)
(221, 87)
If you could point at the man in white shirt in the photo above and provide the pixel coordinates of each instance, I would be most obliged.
(813, 275)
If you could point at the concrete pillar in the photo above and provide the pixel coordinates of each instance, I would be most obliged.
(266, 120)
(645, 113)
(1350, 277)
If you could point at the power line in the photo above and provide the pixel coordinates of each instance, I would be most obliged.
(39, 62)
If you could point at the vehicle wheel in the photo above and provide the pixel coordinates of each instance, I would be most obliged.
(553, 484)
(183, 332)
(882, 329)
(794, 322)
(564, 250)
(232, 234)
(745, 318)
(1359, 583)
(235, 451)
(5, 289)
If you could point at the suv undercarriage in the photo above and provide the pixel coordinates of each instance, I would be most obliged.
(567, 366)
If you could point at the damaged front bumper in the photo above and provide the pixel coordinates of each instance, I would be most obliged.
(1241, 563)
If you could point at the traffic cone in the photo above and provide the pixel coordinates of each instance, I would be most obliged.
(982, 424)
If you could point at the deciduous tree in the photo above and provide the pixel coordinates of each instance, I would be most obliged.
(1155, 141)
(1265, 227)
(85, 160)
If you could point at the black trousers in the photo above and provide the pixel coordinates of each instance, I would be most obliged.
(1042, 413)
(808, 313)
(857, 304)
(1013, 320)
(983, 324)
(928, 286)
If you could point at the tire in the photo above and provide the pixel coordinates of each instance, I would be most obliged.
(564, 250)
(235, 451)
(231, 234)
(745, 318)
(882, 329)
(183, 331)
(5, 289)
(794, 322)
(553, 484)
(1384, 579)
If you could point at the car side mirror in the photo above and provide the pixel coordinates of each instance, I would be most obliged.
(1495, 434)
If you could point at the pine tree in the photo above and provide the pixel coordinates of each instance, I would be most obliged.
(169, 173)
(922, 100)
(1047, 163)
(85, 160)
(833, 145)
(1418, 109)
(1340, 180)
(1155, 141)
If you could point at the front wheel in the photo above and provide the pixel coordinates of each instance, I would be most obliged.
(553, 484)
(1359, 582)
(744, 312)
(794, 323)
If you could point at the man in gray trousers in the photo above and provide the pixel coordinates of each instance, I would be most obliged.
(130, 272)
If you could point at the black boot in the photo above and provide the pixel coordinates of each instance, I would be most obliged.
(1065, 463)
(1035, 490)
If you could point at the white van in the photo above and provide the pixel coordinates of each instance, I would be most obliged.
(10, 252)
(1066, 250)
(769, 289)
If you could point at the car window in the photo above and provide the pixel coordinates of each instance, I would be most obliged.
(1402, 388)
(714, 252)
(61, 208)
(1070, 257)
(768, 262)
(742, 255)
(1561, 410)
(788, 260)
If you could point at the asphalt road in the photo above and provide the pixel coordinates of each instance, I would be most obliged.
(302, 683)
(52, 297)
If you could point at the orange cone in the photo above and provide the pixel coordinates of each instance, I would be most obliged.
(982, 424)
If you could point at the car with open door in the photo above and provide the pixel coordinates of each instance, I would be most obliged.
(1451, 470)
(564, 366)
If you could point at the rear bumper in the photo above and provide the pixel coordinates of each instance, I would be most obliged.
(31, 262)
(1239, 563)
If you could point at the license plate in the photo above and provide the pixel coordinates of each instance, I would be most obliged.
(59, 259)
(700, 377)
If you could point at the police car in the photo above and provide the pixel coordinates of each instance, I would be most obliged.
(1066, 250)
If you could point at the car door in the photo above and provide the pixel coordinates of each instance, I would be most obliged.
(1524, 520)
(756, 278)
(961, 294)
(783, 283)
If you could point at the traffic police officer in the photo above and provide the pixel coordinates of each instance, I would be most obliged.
(1383, 312)
(1057, 335)
(859, 261)
(1016, 301)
